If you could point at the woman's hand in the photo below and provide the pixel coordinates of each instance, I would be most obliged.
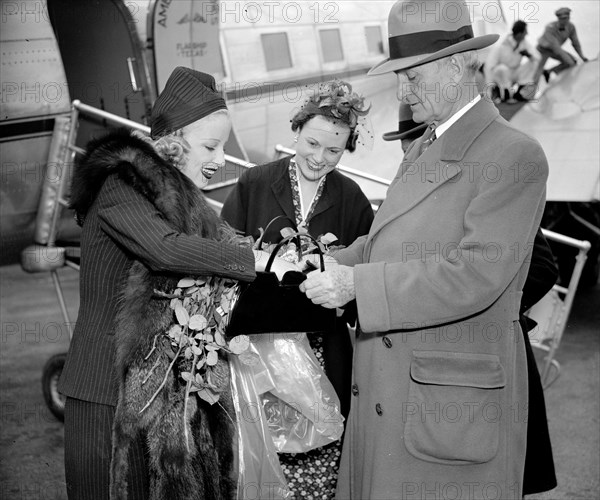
(279, 267)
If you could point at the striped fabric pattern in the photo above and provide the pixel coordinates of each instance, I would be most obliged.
(122, 226)
(189, 95)
(88, 449)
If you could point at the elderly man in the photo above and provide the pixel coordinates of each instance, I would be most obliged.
(511, 62)
(440, 378)
(550, 45)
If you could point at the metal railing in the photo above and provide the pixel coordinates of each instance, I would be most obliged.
(560, 314)
(78, 108)
(561, 308)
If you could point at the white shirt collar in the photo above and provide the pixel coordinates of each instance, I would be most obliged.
(441, 128)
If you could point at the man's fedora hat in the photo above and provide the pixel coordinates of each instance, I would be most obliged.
(421, 31)
(406, 126)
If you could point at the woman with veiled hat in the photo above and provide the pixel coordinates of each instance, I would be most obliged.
(145, 225)
(306, 190)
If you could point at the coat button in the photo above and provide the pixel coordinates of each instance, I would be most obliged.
(354, 390)
(379, 409)
(387, 342)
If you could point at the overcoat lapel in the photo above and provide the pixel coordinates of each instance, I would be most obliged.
(419, 176)
(417, 182)
(459, 137)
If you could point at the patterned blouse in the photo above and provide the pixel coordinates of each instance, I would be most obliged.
(302, 214)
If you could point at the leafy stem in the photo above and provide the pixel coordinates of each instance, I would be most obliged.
(164, 381)
(188, 388)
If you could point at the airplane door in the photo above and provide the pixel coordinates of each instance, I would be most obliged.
(103, 59)
(186, 33)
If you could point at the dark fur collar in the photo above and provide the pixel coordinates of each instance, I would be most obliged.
(206, 468)
(136, 163)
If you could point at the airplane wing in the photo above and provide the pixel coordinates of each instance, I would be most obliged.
(566, 121)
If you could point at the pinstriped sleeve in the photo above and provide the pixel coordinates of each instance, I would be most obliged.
(135, 224)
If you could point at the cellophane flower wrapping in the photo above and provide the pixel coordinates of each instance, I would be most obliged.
(259, 471)
(285, 404)
(301, 405)
(298, 403)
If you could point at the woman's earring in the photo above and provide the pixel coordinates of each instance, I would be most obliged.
(296, 139)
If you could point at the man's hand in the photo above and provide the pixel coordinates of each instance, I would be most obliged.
(332, 288)
(315, 261)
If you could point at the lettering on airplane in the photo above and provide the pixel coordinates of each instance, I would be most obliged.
(163, 6)
(209, 14)
(193, 49)
(196, 18)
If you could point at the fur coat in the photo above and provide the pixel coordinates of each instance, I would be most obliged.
(204, 468)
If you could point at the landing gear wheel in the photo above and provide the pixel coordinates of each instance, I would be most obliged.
(52, 371)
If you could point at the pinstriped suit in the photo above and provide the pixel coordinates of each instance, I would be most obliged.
(120, 226)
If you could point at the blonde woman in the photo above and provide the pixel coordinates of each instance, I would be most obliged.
(145, 224)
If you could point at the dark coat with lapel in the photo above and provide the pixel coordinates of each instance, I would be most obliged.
(265, 192)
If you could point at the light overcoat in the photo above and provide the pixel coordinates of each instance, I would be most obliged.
(440, 378)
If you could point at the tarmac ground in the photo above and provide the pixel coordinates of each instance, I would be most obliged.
(31, 439)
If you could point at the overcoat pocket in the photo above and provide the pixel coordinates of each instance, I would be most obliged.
(453, 411)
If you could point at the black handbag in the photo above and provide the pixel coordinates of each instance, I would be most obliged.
(268, 305)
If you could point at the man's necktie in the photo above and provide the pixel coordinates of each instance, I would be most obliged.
(430, 137)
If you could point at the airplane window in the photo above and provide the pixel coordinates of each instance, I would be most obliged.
(331, 45)
(277, 51)
(374, 42)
